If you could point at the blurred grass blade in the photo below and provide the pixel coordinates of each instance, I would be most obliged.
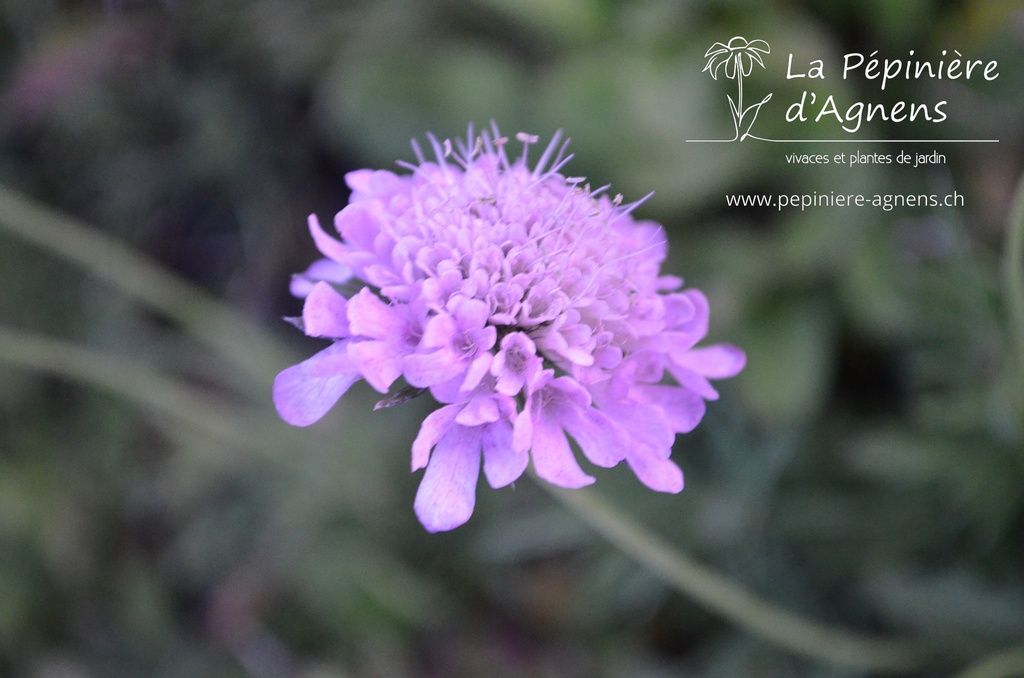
(722, 596)
(1007, 664)
(202, 315)
(144, 386)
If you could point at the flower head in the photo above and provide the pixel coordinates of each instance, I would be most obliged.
(529, 305)
(738, 56)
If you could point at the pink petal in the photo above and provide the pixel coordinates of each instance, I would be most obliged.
(359, 180)
(648, 426)
(324, 313)
(687, 378)
(679, 308)
(328, 270)
(553, 458)
(522, 432)
(503, 464)
(447, 493)
(471, 313)
(481, 409)
(358, 227)
(373, 182)
(377, 362)
(658, 474)
(321, 269)
(434, 426)
(569, 392)
(427, 369)
(305, 392)
(688, 331)
(440, 331)
(681, 407)
(719, 361)
(368, 316)
(602, 440)
(478, 368)
(327, 245)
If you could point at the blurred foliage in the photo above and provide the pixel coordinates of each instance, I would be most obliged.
(865, 470)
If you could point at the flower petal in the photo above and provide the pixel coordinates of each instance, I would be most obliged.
(429, 369)
(373, 182)
(478, 368)
(377, 362)
(324, 313)
(719, 361)
(658, 474)
(328, 246)
(358, 226)
(369, 316)
(321, 269)
(602, 440)
(447, 493)
(434, 426)
(439, 331)
(480, 409)
(305, 392)
(648, 425)
(553, 458)
(687, 331)
(697, 383)
(682, 407)
(522, 432)
(503, 464)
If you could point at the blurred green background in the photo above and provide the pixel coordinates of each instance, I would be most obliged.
(157, 519)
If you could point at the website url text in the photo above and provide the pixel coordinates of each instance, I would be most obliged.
(886, 202)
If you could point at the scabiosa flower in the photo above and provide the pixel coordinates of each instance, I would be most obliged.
(528, 305)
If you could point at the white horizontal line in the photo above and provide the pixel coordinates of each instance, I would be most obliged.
(850, 141)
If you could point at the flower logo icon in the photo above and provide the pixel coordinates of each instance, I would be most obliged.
(736, 59)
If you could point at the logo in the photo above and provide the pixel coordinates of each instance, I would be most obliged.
(736, 60)
(833, 112)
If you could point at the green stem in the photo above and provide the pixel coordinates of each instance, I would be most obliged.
(147, 387)
(206, 318)
(723, 597)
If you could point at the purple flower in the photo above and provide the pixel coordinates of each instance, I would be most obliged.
(529, 305)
